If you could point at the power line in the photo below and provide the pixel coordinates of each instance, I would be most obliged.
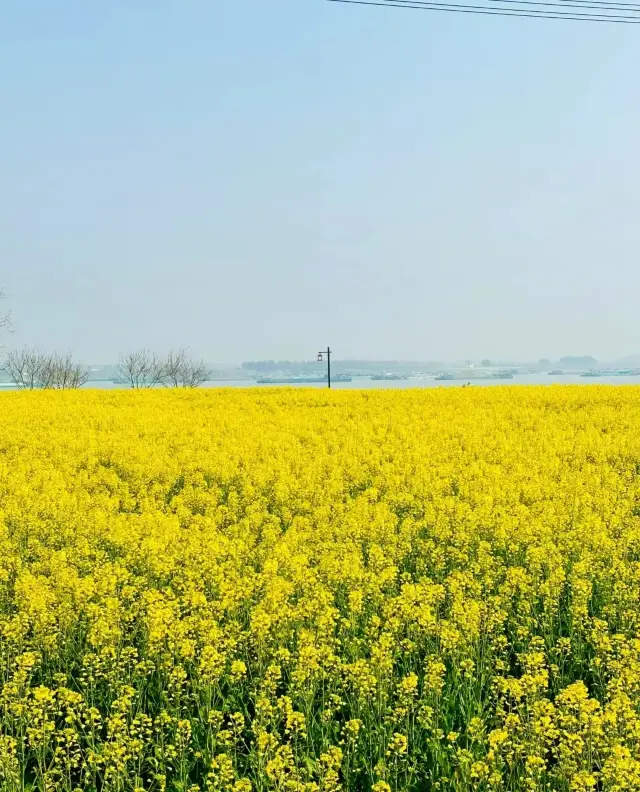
(608, 5)
(628, 8)
(493, 11)
(498, 11)
(600, 4)
(435, 4)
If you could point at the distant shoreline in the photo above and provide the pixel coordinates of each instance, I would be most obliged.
(416, 383)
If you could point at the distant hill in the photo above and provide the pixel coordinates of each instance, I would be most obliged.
(578, 362)
(630, 361)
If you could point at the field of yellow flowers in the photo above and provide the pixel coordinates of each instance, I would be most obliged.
(224, 591)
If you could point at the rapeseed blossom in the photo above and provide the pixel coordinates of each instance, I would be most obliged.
(303, 591)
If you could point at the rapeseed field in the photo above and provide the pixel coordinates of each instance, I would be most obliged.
(225, 591)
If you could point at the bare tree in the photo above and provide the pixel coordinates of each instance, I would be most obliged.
(140, 369)
(180, 370)
(47, 372)
(5, 318)
(79, 374)
(173, 367)
(64, 373)
(31, 368)
(25, 367)
(194, 373)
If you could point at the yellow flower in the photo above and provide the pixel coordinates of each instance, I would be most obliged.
(238, 670)
(207, 589)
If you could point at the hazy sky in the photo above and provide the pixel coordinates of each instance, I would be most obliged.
(259, 178)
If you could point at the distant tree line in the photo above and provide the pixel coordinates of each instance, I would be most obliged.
(273, 365)
(578, 361)
(293, 367)
(264, 366)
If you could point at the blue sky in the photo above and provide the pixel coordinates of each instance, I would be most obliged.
(258, 179)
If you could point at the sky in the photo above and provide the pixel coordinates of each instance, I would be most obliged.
(256, 179)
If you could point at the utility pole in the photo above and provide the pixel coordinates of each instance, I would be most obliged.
(321, 355)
